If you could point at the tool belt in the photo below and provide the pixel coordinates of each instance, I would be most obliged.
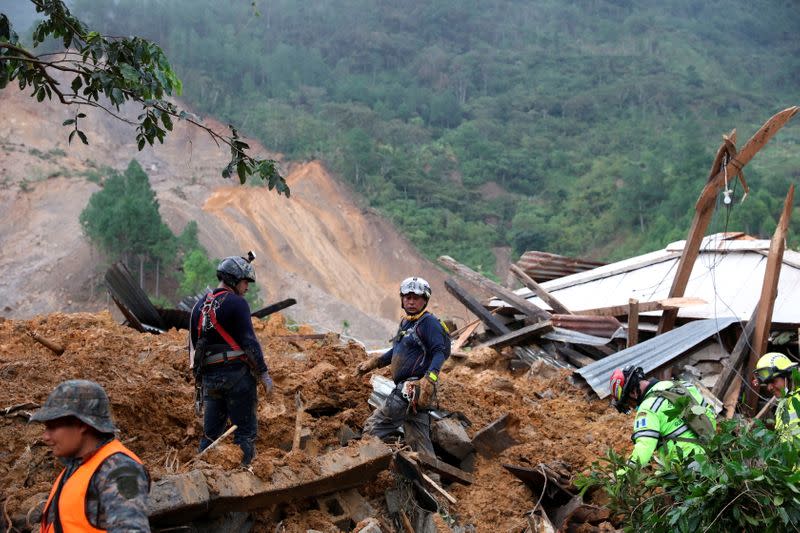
(225, 357)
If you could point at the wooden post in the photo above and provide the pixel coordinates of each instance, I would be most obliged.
(705, 203)
(539, 291)
(486, 316)
(519, 303)
(769, 291)
(633, 322)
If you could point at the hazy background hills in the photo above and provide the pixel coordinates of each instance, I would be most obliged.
(576, 127)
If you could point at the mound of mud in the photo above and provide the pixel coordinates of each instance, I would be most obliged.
(151, 390)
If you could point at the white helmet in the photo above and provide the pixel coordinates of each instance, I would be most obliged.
(417, 286)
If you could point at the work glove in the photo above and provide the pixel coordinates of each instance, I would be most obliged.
(427, 393)
(366, 366)
(266, 381)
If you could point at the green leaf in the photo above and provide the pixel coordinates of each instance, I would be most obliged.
(76, 84)
(241, 169)
(68, 122)
(82, 136)
(71, 135)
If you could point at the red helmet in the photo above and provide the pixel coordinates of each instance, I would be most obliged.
(623, 381)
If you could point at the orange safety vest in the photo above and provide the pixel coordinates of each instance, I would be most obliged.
(72, 501)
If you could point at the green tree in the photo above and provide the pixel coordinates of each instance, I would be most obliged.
(122, 219)
(121, 70)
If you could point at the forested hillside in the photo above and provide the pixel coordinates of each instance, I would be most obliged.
(576, 127)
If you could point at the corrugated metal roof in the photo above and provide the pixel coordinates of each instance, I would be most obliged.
(543, 266)
(727, 274)
(652, 353)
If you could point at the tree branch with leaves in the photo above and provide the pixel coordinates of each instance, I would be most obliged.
(109, 72)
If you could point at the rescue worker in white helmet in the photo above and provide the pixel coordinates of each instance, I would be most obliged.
(418, 351)
(657, 425)
(775, 371)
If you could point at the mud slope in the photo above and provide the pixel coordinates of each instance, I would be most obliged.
(340, 261)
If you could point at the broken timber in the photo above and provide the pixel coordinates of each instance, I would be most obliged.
(518, 302)
(181, 498)
(539, 291)
(520, 336)
(273, 308)
(644, 307)
(720, 173)
(448, 472)
(769, 291)
(486, 316)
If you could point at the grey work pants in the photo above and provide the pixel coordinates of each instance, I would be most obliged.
(394, 414)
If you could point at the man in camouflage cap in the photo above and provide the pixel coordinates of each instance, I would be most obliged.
(103, 485)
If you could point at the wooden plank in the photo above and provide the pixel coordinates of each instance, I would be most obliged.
(644, 307)
(548, 298)
(486, 316)
(574, 357)
(705, 203)
(447, 471)
(277, 306)
(469, 330)
(633, 322)
(769, 291)
(181, 498)
(519, 303)
(520, 336)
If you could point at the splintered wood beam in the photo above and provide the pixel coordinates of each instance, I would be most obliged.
(448, 472)
(769, 291)
(486, 316)
(644, 307)
(705, 203)
(537, 289)
(633, 322)
(519, 303)
(520, 336)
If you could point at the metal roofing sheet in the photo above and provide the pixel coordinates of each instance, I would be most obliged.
(652, 353)
(729, 280)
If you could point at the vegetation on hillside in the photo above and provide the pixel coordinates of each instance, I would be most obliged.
(582, 128)
(123, 221)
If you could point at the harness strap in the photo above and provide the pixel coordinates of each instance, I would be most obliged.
(209, 311)
(224, 357)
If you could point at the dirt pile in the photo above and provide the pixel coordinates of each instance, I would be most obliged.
(151, 392)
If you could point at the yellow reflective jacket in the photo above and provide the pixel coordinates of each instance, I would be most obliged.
(654, 428)
(787, 424)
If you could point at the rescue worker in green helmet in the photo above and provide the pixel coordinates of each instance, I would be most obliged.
(657, 426)
(775, 371)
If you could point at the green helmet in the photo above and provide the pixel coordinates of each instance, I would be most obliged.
(83, 399)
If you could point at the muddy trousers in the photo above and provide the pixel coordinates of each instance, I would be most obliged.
(230, 393)
(387, 420)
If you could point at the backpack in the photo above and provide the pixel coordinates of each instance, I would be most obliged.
(693, 413)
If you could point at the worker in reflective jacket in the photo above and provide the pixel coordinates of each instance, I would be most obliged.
(775, 371)
(103, 486)
(660, 424)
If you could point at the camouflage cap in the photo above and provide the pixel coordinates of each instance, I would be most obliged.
(83, 399)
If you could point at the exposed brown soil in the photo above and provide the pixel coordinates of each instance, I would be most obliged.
(340, 261)
(151, 391)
